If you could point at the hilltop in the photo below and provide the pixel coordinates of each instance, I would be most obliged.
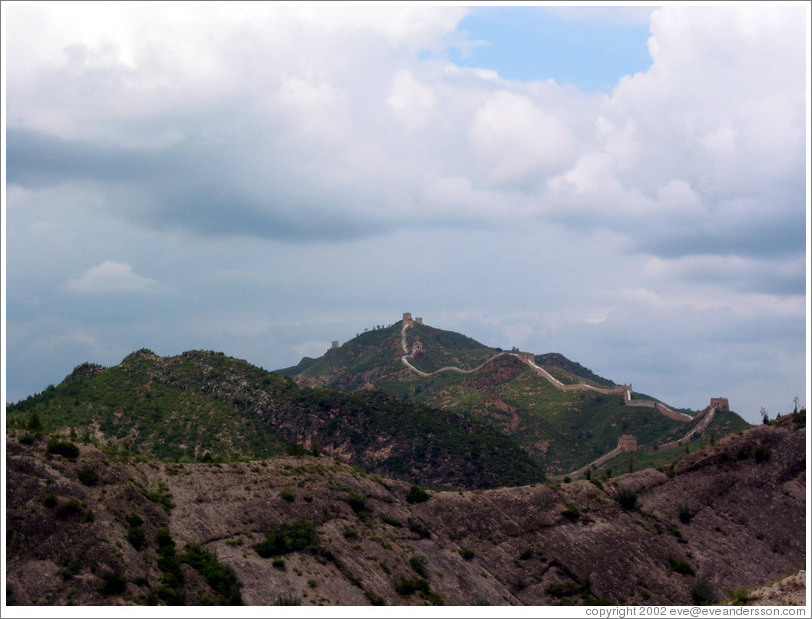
(558, 410)
(89, 526)
(203, 405)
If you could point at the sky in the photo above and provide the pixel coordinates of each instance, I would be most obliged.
(626, 186)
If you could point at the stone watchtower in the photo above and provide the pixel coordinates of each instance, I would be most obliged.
(407, 319)
(335, 344)
(721, 404)
(417, 347)
(627, 442)
(528, 357)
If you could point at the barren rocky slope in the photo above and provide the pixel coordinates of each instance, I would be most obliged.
(98, 529)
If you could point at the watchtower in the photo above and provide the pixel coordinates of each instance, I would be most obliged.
(721, 404)
(527, 357)
(407, 319)
(417, 346)
(335, 344)
(627, 442)
(418, 320)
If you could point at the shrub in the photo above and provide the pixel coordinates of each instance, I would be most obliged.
(26, 439)
(563, 589)
(62, 448)
(358, 503)
(113, 584)
(740, 597)
(420, 565)
(288, 599)
(572, 513)
(681, 567)
(34, 424)
(136, 537)
(417, 495)
(287, 495)
(133, 519)
(685, 514)
(627, 499)
(375, 599)
(394, 522)
(350, 533)
(417, 526)
(288, 537)
(762, 453)
(406, 586)
(49, 500)
(467, 554)
(294, 449)
(71, 508)
(702, 592)
(221, 578)
(88, 476)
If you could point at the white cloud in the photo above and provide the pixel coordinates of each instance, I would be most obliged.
(112, 277)
(518, 142)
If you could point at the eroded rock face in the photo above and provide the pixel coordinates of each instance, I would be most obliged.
(730, 516)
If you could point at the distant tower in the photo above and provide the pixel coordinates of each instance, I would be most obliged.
(335, 344)
(721, 404)
(527, 356)
(417, 346)
(407, 319)
(627, 442)
(418, 320)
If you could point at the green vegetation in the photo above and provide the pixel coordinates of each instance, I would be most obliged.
(113, 584)
(135, 535)
(405, 586)
(203, 405)
(288, 537)
(681, 566)
(702, 592)
(358, 503)
(417, 495)
(87, 476)
(62, 448)
(420, 565)
(627, 499)
(220, 577)
(467, 554)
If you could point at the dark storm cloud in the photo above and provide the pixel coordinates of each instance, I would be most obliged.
(189, 186)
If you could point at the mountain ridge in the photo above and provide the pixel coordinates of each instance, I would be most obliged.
(559, 410)
(203, 404)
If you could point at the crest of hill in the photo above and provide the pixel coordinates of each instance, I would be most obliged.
(204, 405)
(563, 414)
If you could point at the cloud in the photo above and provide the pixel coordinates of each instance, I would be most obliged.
(112, 277)
(330, 127)
(323, 169)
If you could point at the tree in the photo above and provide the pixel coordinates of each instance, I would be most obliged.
(34, 424)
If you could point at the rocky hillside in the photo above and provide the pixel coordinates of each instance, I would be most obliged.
(87, 526)
(203, 405)
(563, 429)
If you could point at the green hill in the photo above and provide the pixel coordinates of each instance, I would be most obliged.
(203, 405)
(563, 428)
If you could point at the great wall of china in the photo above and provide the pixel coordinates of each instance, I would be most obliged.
(625, 442)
